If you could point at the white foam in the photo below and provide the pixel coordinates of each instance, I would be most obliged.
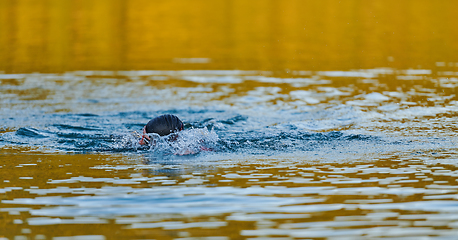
(361, 74)
(12, 76)
(205, 79)
(192, 60)
(417, 72)
(376, 97)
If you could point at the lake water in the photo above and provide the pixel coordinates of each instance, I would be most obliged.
(322, 120)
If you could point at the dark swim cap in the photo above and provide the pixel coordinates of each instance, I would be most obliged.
(164, 125)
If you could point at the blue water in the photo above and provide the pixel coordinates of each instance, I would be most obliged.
(242, 112)
(225, 132)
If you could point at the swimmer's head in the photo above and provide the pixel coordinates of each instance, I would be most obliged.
(162, 125)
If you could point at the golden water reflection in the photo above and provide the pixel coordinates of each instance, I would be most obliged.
(398, 195)
(59, 36)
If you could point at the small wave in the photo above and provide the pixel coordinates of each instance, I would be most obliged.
(75, 128)
(287, 141)
(31, 132)
(87, 115)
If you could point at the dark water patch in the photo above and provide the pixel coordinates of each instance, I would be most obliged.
(359, 137)
(75, 135)
(235, 120)
(31, 132)
(87, 115)
(204, 123)
(76, 128)
(134, 126)
(133, 114)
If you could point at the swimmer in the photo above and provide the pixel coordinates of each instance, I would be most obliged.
(162, 125)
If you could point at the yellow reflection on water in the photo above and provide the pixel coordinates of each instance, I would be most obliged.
(64, 35)
(53, 195)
